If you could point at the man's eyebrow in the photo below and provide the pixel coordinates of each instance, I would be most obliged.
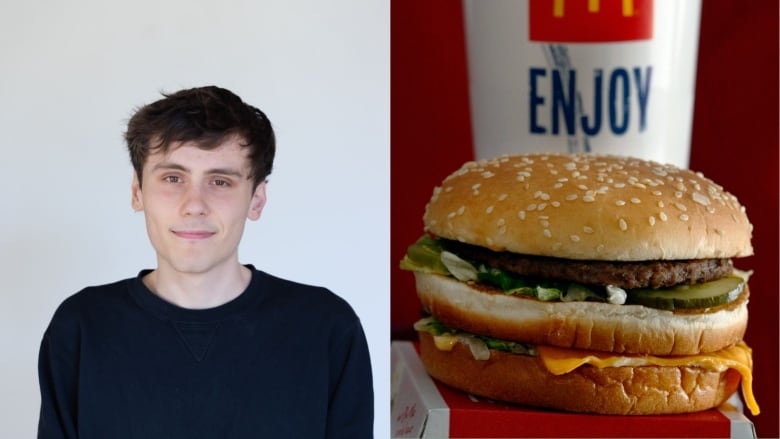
(213, 171)
(225, 171)
(170, 166)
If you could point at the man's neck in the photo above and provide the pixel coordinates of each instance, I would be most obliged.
(198, 290)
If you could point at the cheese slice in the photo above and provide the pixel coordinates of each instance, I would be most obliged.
(561, 360)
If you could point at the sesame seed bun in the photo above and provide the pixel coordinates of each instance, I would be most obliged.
(589, 207)
(616, 390)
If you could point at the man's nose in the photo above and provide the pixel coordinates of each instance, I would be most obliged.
(194, 202)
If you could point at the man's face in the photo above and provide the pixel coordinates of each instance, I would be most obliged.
(196, 203)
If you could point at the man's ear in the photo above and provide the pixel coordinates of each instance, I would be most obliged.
(137, 199)
(257, 203)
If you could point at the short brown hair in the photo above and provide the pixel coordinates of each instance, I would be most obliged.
(207, 116)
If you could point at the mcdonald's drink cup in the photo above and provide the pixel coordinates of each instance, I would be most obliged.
(609, 76)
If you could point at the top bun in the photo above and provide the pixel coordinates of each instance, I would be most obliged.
(589, 207)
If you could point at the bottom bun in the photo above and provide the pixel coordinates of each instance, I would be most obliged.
(523, 379)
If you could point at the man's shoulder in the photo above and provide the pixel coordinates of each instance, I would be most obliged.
(94, 299)
(304, 296)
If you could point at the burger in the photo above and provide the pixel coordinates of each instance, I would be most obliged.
(585, 283)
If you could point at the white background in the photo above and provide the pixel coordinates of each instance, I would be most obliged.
(71, 74)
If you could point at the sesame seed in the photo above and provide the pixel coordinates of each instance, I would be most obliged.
(623, 225)
(521, 214)
(678, 194)
(582, 187)
(476, 186)
(489, 210)
(588, 198)
(651, 220)
(544, 223)
(571, 197)
(620, 203)
(547, 233)
(502, 197)
(684, 217)
(558, 185)
(575, 238)
(488, 174)
(531, 207)
(542, 206)
(451, 215)
(636, 200)
(500, 222)
(587, 229)
(448, 189)
(461, 209)
(556, 204)
(680, 206)
(489, 241)
(663, 216)
(701, 198)
(563, 180)
(661, 204)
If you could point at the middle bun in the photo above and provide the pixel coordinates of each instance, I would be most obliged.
(630, 329)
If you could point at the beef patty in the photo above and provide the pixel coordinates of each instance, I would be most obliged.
(641, 274)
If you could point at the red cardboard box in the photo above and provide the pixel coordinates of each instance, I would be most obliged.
(424, 408)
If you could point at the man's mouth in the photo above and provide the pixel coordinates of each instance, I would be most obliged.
(193, 234)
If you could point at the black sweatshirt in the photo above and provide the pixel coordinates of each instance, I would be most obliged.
(282, 360)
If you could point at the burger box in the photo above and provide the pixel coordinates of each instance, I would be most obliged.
(424, 408)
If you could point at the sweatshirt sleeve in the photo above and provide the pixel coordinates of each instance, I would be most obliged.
(58, 377)
(351, 408)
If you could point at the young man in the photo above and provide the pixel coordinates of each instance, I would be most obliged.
(202, 346)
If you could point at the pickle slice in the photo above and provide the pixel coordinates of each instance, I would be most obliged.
(704, 295)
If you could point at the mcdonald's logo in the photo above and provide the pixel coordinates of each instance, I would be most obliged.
(590, 21)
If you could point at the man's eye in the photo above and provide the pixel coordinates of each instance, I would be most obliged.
(223, 183)
(172, 179)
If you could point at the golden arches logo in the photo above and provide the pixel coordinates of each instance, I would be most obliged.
(593, 7)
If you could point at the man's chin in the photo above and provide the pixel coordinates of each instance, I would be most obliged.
(196, 267)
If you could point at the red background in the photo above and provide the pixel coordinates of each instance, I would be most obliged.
(734, 142)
